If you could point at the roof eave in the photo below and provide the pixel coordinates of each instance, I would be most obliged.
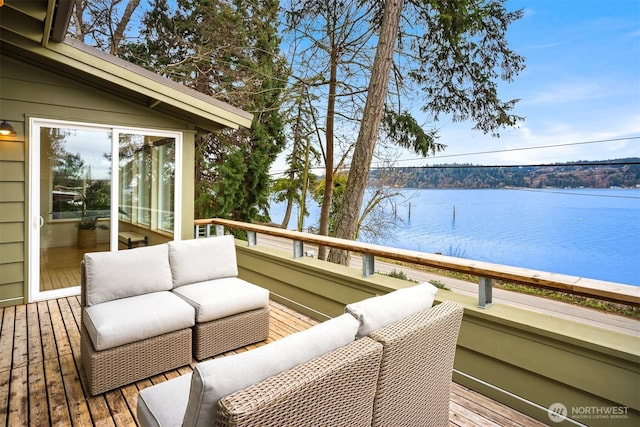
(36, 33)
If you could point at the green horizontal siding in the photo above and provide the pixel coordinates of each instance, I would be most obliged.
(12, 171)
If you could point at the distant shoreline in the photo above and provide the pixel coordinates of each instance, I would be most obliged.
(605, 174)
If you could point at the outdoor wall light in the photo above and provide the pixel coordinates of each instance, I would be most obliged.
(6, 129)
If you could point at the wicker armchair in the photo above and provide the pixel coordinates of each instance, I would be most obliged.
(336, 389)
(417, 363)
(108, 369)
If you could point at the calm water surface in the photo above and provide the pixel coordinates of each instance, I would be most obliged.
(581, 232)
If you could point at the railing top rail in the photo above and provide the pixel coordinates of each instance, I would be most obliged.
(610, 291)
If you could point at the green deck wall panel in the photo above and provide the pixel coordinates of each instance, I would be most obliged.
(540, 358)
(308, 282)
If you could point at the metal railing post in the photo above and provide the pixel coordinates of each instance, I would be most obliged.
(485, 294)
(368, 265)
(219, 230)
(298, 249)
(252, 238)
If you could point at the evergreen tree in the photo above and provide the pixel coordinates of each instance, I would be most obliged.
(228, 50)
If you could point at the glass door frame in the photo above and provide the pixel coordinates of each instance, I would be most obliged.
(35, 220)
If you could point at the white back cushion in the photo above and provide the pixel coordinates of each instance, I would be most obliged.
(115, 275)
(377, 312)
(194, 261)
(214, 379)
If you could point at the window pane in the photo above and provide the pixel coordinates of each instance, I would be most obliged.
(74, 200)
(78, 162)
(147, 182)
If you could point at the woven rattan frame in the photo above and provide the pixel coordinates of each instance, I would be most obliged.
(112, 368)
(417, 363)
(119, 366)
(231, 332)
(335, 389)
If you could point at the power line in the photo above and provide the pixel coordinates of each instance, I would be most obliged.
(471, 166)
(507, 150)
(540, 165)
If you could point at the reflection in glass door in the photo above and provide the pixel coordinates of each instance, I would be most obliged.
(147, 188)
(74, 201)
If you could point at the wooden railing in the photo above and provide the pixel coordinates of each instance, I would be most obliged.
(487, 272)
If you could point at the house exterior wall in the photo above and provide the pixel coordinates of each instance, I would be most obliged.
(27, 91)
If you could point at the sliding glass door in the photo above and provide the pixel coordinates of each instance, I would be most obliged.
(96, 188)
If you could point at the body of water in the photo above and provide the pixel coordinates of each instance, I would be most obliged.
(592, 233)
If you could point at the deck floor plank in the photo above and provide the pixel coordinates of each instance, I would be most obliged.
(20, 339)
(99, 411)
(34, 338)
(59, 331)
(6, 338)
(41, 374)
(58, 407)
(5, 378)
(47, 337)
(19, 396)
(122, 416)
(38, 408)
(461, 416)
(489, 408)
(78, 408)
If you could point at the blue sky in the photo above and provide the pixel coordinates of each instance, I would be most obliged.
(581, 84)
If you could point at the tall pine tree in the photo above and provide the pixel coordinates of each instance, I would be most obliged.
(228, 50)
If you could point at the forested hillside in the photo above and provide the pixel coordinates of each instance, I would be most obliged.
(602, 174)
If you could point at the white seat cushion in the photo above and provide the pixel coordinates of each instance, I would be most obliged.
(377, 312)
(215, 299)
(214, 379)
(132, 319)
(113, 275)
(164, 404)
(198, 260)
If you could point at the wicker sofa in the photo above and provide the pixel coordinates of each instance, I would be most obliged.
(387, 361)
(152, 309)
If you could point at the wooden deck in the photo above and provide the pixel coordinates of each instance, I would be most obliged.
(40, 373)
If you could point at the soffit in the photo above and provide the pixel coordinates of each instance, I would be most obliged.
(22, 28)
